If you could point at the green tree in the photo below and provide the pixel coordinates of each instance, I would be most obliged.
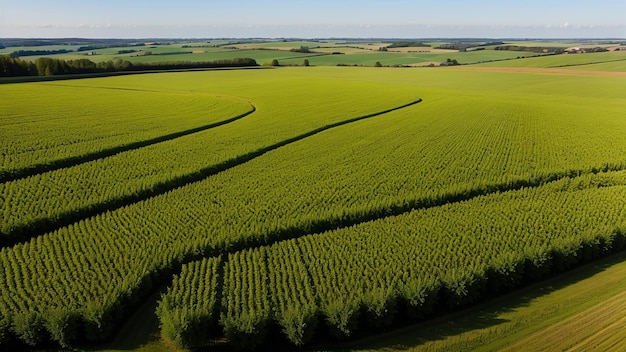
(275, 63)
(378, 64)
(306, 62)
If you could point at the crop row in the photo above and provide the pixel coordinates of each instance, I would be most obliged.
(46, 126)
(406, 265)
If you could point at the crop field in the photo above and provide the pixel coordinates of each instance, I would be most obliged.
(99, 120)
(299, 203)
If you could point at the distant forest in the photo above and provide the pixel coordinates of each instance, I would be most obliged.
(15, 67)
(14, 42)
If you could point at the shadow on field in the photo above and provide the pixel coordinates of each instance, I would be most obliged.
(141, 328)
(484, 315)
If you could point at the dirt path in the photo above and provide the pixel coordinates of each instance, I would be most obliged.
(548, 70)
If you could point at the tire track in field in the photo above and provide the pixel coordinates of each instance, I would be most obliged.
(81, 159)
(37, 228)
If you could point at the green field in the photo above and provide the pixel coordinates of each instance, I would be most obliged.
(610, 66)
(302, 203)
(102, 118)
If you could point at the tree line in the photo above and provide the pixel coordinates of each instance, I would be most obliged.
(19, 53)
(534, 49)
(15, 67)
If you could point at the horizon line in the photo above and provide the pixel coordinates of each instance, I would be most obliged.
(314, 38)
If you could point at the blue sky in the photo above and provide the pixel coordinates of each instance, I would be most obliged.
(312, 18)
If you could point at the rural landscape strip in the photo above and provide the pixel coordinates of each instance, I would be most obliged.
(81, 159)
(37, 228)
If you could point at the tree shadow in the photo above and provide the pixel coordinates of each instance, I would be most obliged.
(480, 316)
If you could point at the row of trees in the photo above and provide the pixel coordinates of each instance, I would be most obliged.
(19, 53)
(14, 67)
(406, 44)
(534, 49)
(275, 63)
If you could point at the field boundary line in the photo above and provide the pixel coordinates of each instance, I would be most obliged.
(588, 63)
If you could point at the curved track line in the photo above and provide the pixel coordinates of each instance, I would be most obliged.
(39, 227)
(81, 159)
